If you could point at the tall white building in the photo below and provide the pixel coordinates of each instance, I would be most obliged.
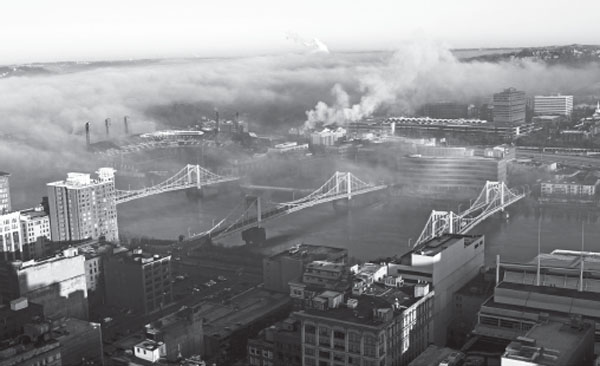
(553, 105)
(82, 207)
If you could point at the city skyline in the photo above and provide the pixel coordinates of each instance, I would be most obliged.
(67, 30)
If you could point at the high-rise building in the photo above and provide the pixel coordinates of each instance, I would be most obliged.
(448, 262)
(4, 192)
(57, 283)
(138, 281)
(83, 208)
(509, 107)
(35, 228)
(553, 105)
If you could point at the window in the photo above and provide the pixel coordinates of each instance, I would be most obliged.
(370, 343)
(354, 343)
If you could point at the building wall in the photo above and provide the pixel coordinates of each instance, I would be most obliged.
(58, 285)
(277, 272)
(568, 189)
(35, 227)
(47, 354)
(82, 341)
(11, 237)
(124, 285)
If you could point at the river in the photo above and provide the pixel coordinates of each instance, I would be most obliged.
(373, 228)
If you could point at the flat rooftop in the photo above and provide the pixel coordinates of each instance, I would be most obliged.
(438, 244)
(34, 212)
(380, 297)
(432, 356)
(311, 252)
(548, 344)
(222, 320)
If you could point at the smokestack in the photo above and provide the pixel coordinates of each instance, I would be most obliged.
(539, 263)
(107, 124)
(87, 133)
(126, 124)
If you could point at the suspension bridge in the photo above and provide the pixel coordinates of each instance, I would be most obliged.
(191, 176)
(250, 214)
(494, 197)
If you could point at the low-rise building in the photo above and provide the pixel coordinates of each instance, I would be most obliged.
(287, 148)
(181, 333)
(552, 344)
(11, 236)
(580, 186)
(282, 268)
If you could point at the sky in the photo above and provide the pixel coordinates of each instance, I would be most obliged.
(75, 30)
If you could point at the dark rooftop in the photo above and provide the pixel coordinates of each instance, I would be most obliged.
(4, 174)
(311, 252)
(439, 243)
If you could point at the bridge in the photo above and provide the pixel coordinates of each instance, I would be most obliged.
(250, 214)
(494, 197)
(191, 176)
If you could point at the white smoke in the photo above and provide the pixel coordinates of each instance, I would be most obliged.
(314, 45)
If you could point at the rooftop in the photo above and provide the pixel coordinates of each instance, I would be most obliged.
(149, 345)
(139, 256)
(4, 174)
(310, 252)
(548, 344)
(379, 297)
(432, 356)
(34, 212)
(438, 244)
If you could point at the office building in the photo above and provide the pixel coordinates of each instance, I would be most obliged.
(509, 107)
(551, 344)
(279, 269)
(579, 186)
(568, 285)
(181, 333)
(138, 281)
(83, 208)
(11, 236)
(277, 345)
(553, 105)
(383, 326)
(5, 205)
(57, 283)
(448, 262)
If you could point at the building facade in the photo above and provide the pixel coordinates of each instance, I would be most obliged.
(5, 205)
(11, 236)
(138, 281)
(57, 283)
(83, 208)
(509, 107)
(553, 105)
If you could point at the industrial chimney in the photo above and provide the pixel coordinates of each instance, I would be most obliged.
(87, 133)
(107, 124)
(126, 124)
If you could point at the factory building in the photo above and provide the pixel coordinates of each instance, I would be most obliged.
(83, 208)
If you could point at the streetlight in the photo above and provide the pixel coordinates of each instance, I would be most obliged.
(409, 240)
